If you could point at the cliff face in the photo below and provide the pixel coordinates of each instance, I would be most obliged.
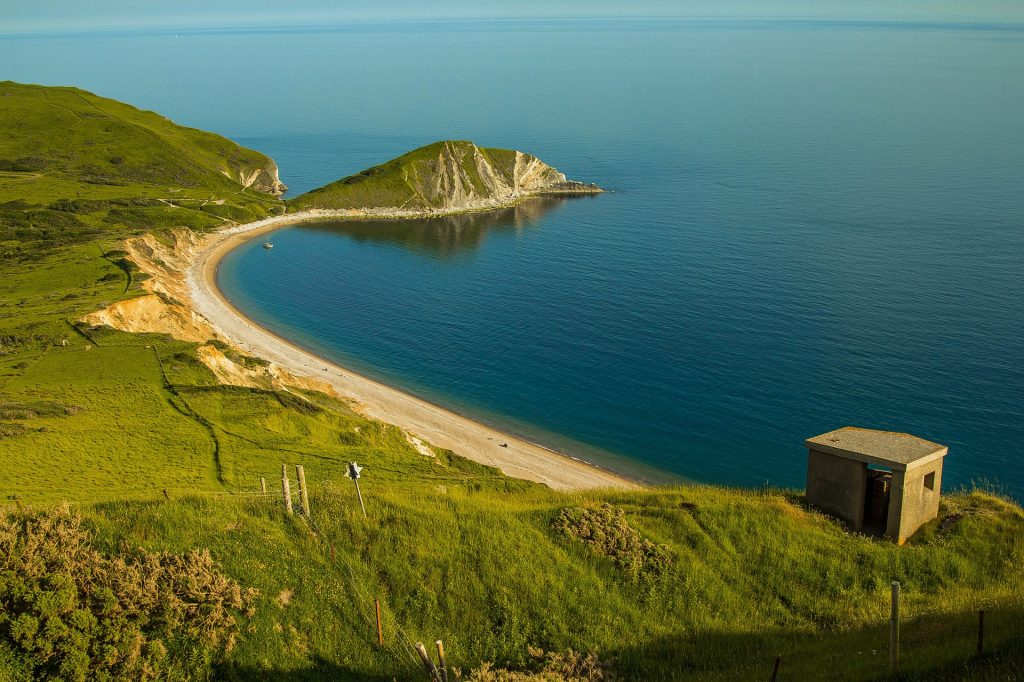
(462, 175)
(262, 179)
(444, 177)
(167, 308)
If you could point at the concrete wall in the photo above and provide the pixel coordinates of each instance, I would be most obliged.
(838, 486)
(912, 504)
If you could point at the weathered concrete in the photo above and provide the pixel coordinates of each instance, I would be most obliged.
(917, 503)
(837, 476)
(837, 486)
(891, 449)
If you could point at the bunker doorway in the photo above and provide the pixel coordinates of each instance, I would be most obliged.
(876, 501)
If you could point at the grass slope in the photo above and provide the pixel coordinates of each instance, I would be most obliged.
(134, 432)
(73, 165)
(457, 552)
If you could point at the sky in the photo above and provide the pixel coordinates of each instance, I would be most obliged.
(43, 16)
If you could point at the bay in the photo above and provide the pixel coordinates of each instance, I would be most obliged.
(811, 224)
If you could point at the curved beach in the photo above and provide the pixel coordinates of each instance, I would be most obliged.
(436, 425)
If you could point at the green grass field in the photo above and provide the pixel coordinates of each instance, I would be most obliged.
(134, 433)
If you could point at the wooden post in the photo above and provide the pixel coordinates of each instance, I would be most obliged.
(380, 630)
(441, 661)
(427, 663)
(775, 670)
(894, 630)
(359, 493)
(981, 633)
(353, 473)
(263, 485)
(286, 489)
(300, 473)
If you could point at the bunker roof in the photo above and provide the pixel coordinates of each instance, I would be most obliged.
(897, 451)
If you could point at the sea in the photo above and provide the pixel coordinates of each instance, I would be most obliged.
(809, 224)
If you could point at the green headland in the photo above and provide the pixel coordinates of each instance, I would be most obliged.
(136, 541)
(444, 176)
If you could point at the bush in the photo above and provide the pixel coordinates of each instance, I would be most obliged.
(69, 612)
(607, 533)
(26, 164)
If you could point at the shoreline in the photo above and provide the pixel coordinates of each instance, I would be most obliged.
(437, 425)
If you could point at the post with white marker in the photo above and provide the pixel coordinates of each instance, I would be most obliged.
(353, 473)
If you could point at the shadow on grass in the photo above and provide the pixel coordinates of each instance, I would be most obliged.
(934, 647)
(320, 669)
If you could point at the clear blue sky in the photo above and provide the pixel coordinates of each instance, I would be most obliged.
(20, 16)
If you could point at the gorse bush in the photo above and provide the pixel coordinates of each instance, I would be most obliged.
(69, 612)
(606, 532)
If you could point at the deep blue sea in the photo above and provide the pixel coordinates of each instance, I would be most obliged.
(811, 224)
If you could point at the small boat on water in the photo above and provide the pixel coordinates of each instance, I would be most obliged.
(267, 245)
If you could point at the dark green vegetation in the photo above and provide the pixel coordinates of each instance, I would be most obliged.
(74, 613)
(161, 462)
(442, 175)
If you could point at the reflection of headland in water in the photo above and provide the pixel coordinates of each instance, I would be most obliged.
(447, 235)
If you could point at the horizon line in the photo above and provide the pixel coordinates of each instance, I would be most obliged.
(273, 26)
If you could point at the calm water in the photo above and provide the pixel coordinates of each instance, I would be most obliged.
(812, 225)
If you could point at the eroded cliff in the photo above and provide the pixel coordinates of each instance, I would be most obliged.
(444, 177)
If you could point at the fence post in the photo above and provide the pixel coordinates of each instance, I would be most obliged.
(300, 473)
(427, 663)
(380, 630)
(286, 489)
(263, 485)
(441, 661)
(894, 630)
(775, 670)
(981, 633)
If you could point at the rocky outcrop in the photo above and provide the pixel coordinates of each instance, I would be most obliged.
(464, 176)
(266, 179)
(444, 177)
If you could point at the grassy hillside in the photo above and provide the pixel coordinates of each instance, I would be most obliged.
(163, 464)
(457, 552)
(74, 165)
(442, 175)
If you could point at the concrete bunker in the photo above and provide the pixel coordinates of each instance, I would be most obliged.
(880, 482)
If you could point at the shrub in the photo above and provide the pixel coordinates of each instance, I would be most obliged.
(32, 410)
(26, 164)
(70, 612)
(607, 533)
(8, 430)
